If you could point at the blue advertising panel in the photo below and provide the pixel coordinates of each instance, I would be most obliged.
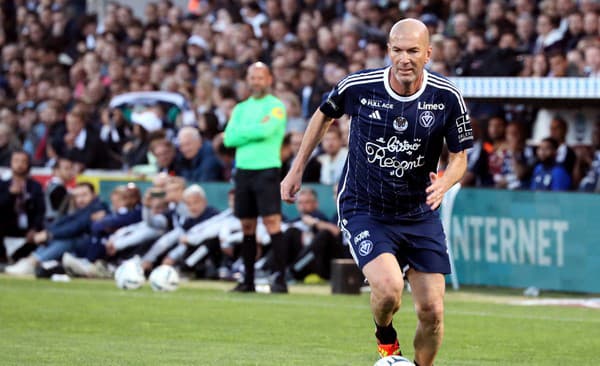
(519, 239)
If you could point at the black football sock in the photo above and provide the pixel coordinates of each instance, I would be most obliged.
(386, 334)
(249, 256)
(280, 256)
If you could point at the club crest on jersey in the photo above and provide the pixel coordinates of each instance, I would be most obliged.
(400, 124)
(365, 247)
(426, 119)
(376, 103)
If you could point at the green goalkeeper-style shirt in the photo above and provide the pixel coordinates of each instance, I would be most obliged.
(256, 129)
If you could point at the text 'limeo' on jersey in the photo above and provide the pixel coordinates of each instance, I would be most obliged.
(394, 140)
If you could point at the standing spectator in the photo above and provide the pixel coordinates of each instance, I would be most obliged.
(22, 208)
(196, 160)
(256, 130)
(548, 175)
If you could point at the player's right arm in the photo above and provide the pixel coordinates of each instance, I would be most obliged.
(318, 125)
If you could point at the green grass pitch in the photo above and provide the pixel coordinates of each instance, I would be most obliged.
(94, 323)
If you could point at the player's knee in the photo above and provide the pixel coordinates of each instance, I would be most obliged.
(431, 314)
(389, 294)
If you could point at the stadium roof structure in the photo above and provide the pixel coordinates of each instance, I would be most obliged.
(567, 91)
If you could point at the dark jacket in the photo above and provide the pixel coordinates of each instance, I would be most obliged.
(204, 167)
(193, 221)
(116, 220)
(34, 208)
(76, 223)
(95, 153)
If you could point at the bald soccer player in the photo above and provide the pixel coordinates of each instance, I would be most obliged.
(389, 191)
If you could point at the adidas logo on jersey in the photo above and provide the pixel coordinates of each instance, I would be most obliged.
(375, 115)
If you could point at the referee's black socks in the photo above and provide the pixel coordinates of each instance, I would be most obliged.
(280, 256)
(249, 257)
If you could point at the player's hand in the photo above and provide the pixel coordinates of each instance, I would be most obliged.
(435, 192)
(290, 185)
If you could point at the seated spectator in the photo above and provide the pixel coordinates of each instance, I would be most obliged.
(327, 244)
(591, 179)
(333, 158)
(8, 144)
(565, 155)
(50, 146)
(137, 238)
(196, 161)
(22, 209)
(135, 151)
(126, 210)
(518, 161)
(56, 193)
(300, 232)
(68, 233)
(191, 249)
(82, 144)
(548, 175)
(496, 148)
(175, 216)
(477, 173)
(164, 151)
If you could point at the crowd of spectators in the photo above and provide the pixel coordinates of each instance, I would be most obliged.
(61, 67)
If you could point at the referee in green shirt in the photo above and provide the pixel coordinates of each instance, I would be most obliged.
(256, 129)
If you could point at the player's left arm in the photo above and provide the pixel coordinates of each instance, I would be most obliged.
(457, 166)
(459, 138)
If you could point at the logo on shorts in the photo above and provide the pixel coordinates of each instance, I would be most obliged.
(426, 119)
(361, 236)
(365, 247)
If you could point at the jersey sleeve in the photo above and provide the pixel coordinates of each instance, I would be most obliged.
(458, 131)
(334, 103)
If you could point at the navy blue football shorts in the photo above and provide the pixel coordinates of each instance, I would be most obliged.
(417, 243)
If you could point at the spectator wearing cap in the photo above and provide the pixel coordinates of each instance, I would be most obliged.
(197, 50)
(196, 161)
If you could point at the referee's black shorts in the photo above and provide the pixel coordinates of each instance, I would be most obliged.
(257, 193)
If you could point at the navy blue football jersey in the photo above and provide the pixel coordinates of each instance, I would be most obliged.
(394, 141)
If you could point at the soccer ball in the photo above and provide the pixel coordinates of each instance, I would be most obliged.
(394, 361)
(164, 278)
(130, 275)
